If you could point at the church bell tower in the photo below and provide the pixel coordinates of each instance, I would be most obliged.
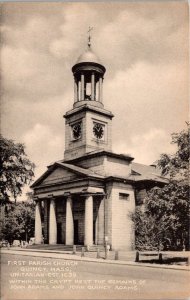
(88, 124)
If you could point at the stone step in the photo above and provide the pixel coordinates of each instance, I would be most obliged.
(95, 248)
(61, 247)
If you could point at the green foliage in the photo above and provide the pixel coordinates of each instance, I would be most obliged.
(149, 234)
(163, 221)
(16, 169)
(177, 165)
(18, 221)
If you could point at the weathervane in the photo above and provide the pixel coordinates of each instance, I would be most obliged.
(89, 36)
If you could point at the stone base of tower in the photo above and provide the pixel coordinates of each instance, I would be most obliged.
(87, 117)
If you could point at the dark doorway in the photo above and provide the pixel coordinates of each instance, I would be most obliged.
(76, 232)
(59, 233)
(94, 232)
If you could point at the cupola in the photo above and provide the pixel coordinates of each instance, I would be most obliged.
(88, 123)
(88, 79)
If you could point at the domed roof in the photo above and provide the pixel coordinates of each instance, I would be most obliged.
(88, 56)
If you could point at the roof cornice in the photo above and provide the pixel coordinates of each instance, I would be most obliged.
(88, 107)
(100, 153)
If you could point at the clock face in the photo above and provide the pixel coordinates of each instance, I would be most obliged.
(98, 130)
(76, 130)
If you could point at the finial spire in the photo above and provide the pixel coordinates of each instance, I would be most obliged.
(89, 36)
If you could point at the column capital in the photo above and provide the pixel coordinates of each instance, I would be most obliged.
(67, 194)
(36, 199)
(51, 196)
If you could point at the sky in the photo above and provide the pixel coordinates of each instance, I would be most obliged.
(144, 47)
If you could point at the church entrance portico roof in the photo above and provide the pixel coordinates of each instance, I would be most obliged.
(80, 191)
(60, 172)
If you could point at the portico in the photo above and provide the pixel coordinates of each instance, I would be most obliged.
(70, 219)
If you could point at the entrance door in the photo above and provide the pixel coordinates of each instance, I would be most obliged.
(94, 232)
(59, 235)
(76, 232)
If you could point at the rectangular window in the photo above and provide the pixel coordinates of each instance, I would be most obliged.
(123, 196)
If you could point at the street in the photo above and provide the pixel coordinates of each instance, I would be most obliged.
(29, 277)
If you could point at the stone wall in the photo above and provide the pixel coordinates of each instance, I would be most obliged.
(108, 212)
(107, 166)
(116, 167)
(121, 202)
(96, 164)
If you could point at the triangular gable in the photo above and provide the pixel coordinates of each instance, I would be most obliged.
(62, 172)
(56, 173)
(59, 174)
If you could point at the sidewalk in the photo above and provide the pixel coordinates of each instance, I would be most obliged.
(77, 257)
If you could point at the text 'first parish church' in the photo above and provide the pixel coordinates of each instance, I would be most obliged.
(90, 194)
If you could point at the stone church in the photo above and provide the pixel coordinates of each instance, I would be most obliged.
(88, 196)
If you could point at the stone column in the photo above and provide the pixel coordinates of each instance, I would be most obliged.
(82, 87)
(100, 223)
(88, 222)
(100, 90)
(79, 91)
(93, 87)
(75, 90)
(46, 221)
(69, 222)
(38, 223)
(52, 223)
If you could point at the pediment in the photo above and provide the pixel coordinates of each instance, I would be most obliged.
(56, 174)
(63, 172)
(59, 175)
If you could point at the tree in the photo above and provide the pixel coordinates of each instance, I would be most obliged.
(177, 165)
(18, 221)
(150, 233)
(16, 169)
(163, 223)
